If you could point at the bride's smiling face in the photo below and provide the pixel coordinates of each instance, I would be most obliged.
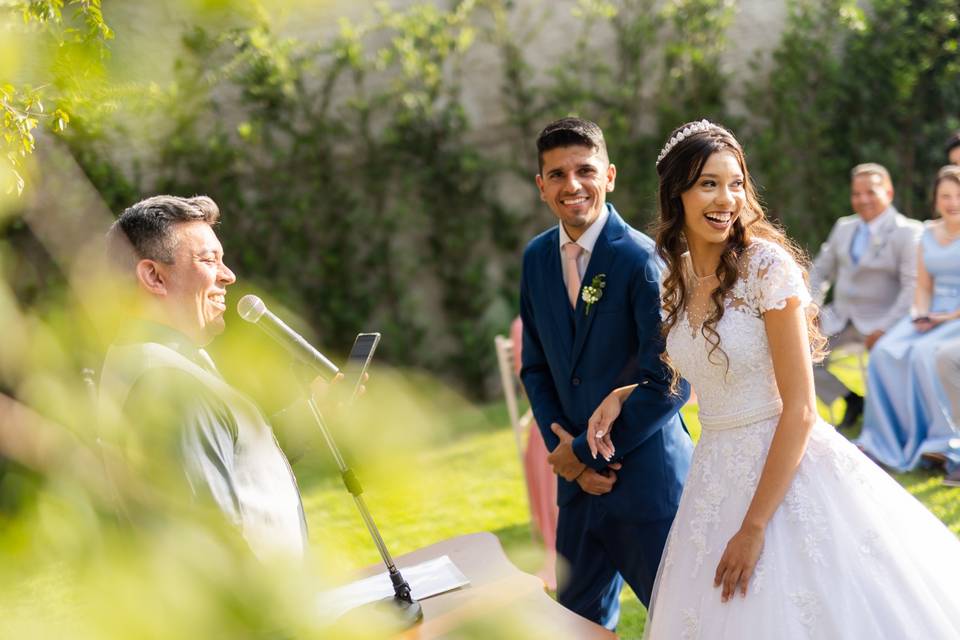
(715, 200)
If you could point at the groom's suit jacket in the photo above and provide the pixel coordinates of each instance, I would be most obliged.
(572, 360)
(877, 291)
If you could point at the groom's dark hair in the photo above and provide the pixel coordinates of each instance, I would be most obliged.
(569, 132)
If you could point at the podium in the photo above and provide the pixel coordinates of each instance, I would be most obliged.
(497, 591)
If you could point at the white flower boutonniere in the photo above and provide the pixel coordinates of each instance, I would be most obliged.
(592, 293)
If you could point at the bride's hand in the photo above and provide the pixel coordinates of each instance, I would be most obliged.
(600, 425)
(738, 561)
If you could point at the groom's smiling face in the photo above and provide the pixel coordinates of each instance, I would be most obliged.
(574, 182)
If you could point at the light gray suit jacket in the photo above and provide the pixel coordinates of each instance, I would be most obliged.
(876, 292)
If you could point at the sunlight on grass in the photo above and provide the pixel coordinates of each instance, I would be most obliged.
(470, 485)
(473, 482)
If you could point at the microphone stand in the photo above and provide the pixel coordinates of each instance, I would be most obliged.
(401, 610)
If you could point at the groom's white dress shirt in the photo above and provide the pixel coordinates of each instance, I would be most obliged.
(586, 241)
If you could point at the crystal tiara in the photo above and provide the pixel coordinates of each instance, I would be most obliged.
(696, 127)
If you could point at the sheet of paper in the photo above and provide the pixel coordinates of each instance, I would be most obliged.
(425, 579)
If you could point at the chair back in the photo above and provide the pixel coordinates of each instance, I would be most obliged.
(511, 386)
(511, 389)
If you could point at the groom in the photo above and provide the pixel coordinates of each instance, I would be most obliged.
(614, 517)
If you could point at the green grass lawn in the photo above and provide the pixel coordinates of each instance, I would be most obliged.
(469, 479)
(433, 466)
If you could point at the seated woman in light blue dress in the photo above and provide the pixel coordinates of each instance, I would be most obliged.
(907, 413)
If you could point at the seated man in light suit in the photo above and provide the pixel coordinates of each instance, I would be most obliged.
(869, 260)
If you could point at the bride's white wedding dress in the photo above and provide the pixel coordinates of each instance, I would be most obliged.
(848, 554)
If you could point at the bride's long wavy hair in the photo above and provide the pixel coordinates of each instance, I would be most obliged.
(679, 171)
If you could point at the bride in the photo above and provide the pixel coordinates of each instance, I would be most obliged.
(784, 530)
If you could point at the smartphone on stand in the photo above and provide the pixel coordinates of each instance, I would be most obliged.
(358, 361)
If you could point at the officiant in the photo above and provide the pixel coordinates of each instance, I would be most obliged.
(162, 386)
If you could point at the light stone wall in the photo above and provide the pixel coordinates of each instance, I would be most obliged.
(548, 27)
(148, 36)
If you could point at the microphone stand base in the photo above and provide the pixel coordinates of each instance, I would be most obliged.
(409, 612)
(393, 614)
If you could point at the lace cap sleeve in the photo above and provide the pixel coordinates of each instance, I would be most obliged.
(774, 277)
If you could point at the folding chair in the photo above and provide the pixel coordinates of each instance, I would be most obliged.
(511, 386)
(840, 361)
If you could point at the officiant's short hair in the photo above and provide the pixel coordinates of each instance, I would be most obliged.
(145, 229)
(569, 132)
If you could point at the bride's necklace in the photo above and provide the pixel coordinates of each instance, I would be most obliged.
(700, 280)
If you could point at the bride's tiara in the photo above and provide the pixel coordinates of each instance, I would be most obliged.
(696, 127)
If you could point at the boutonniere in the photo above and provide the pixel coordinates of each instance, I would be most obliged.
(592, 293)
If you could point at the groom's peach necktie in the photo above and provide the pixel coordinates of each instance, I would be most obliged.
(572, 251)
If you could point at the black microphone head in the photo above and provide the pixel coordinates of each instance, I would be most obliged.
(251, 308)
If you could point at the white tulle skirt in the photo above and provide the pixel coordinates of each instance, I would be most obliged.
(848, 554)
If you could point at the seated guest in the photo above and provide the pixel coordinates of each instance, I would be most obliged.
(948, 367)
(907, 413)
(164, 392)
(869, 260)
(948, 357)
(952, 149)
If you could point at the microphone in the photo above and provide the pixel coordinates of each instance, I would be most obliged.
(252, 309)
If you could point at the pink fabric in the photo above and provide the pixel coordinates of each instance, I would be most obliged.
(542, 486)
(541, 481)
(571, 252)
(516, 336)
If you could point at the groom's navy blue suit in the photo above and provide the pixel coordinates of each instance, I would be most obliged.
(571, 361)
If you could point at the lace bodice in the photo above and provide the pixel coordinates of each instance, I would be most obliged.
(847, 554)
(741, 388)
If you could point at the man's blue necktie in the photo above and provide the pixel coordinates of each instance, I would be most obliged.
(861, 240)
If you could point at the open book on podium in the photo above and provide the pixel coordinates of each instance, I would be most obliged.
(426, 579)
(474, 587)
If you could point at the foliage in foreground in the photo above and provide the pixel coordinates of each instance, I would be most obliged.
(74, 38)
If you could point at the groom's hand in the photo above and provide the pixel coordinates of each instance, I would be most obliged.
(596, 483)
(564, 461)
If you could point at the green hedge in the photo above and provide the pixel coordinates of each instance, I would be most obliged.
(355, 187)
